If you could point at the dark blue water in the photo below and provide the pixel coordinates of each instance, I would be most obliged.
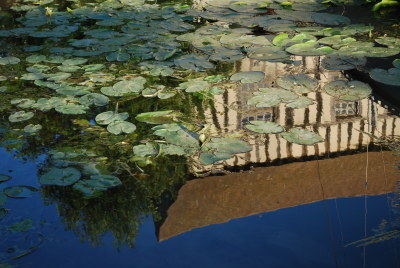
(312, 235)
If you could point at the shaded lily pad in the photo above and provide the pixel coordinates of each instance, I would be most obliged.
(194, 62)
(396, 63)
(94, 98)
(118, 127)
(330, 19)
(300, 83)
(3, 213)
(96, 185)
(388, 77)
(19, 192)
(20, 116)
(302, 136)
(144, 150)
(268, 54)
(4, 178)
(60, 176)
(177, 134)
(392, 42)
(264, 127)
(22, 226)
(348, 90)
(159, 117)
(337, 62)
(248, 77)
(32, 128)
(218, 149)
(109, 117)
(118, 56)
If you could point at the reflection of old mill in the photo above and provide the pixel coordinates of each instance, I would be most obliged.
(336, 121)
(218, 199)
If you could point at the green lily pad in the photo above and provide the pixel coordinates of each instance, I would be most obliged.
(94, 98)
(20, 116)
(121, 88)
(177, 134)
(194, 85)
(58, 76)
(300, 83)
(3, 213)
(336, 40)
(309, 48)
(302, 136)
(19, 192)
(159, 117)
(96, 185)
(299, 103)
(35, 58)
(33, 76)
(348, 90)
(330, 19)
(388, 77)
(248, 77)
(264, 127)
(396, 63)
(392, 42)
(337, 62)
(68, 68)
(74, 61)
(71, 108)
(218, 149)
(4, 178)
(144, 150)
(194, 62)
(268, 54)
(9, 60)
(109, 117)
(271, 97)
(118, 127)
(32, 128)
(22, 226)
(60, 176)
(118, 56)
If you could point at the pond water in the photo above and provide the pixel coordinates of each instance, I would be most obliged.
(204, 134)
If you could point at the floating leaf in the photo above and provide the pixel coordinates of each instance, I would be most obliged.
(32, 128)
(302, 136)
(392, 42)
(60, 176)
(144, 150)
(388, 77)
(118, 56)
(109, 117)
(94, 98)
(22, 226)
(96, 185)
(35, 58)
(348, 90)
(300, 102)
(118, 127)
(194, 85)
(396, 63)
(248, 77)
(271, 97)
(300, 83)
(19, 192)
(177, 134)
(158, 117)
(3, 213)
(309, 48)
(134, 85)
(268, 54)
(20, 116)
(4, 178)
(3, 199)
(71, 108)
(330, 19)
(337, 62)
(194, 62)
(218, 149)
(264, 127)
(9, 60)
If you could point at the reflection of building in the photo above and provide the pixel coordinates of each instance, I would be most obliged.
(218, 199)
(338, 122)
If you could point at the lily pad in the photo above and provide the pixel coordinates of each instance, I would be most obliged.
(32, 128)
(20, 116)
(271, 97)
(60, 176)
(109, 117)
(194, 62)
(118, 56)
(218, 149)
(9, 60)
(248, 77)
(264, 127)
(19, 192)
(302, 136)
(299, 103)
(337, 62)
(4, 178)
(144, 150)
(118, 127)
(22, 226)
(158, 117)
(309, 48)
(392, 42)
(330, 19)
(348, 90)
(96, 185)
(396, 63)
(300, 83)
(121, 88)
(388, 77)
(177, 134)
(3, 213)
(94, 98)
(71, 108)
(268, 54)
(194, 86)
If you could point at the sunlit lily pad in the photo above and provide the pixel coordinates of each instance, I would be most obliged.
(309, 48)
(71, 108)
(300, 102)
(271, 97)
(194, 86)
(348, 90)
(119, 127)
(300, 83)
(388, 41)
(60, 176)
(19, 192)
(4, 178)
(158, 117)
(264, 127)
(20, 116)
(109, 117)
(388, 77)
(96, 185)
(302, 136)
(133, 85)
(22, 226)
(9, 60)
(248, 77)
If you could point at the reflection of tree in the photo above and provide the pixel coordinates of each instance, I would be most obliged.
(120, 210)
